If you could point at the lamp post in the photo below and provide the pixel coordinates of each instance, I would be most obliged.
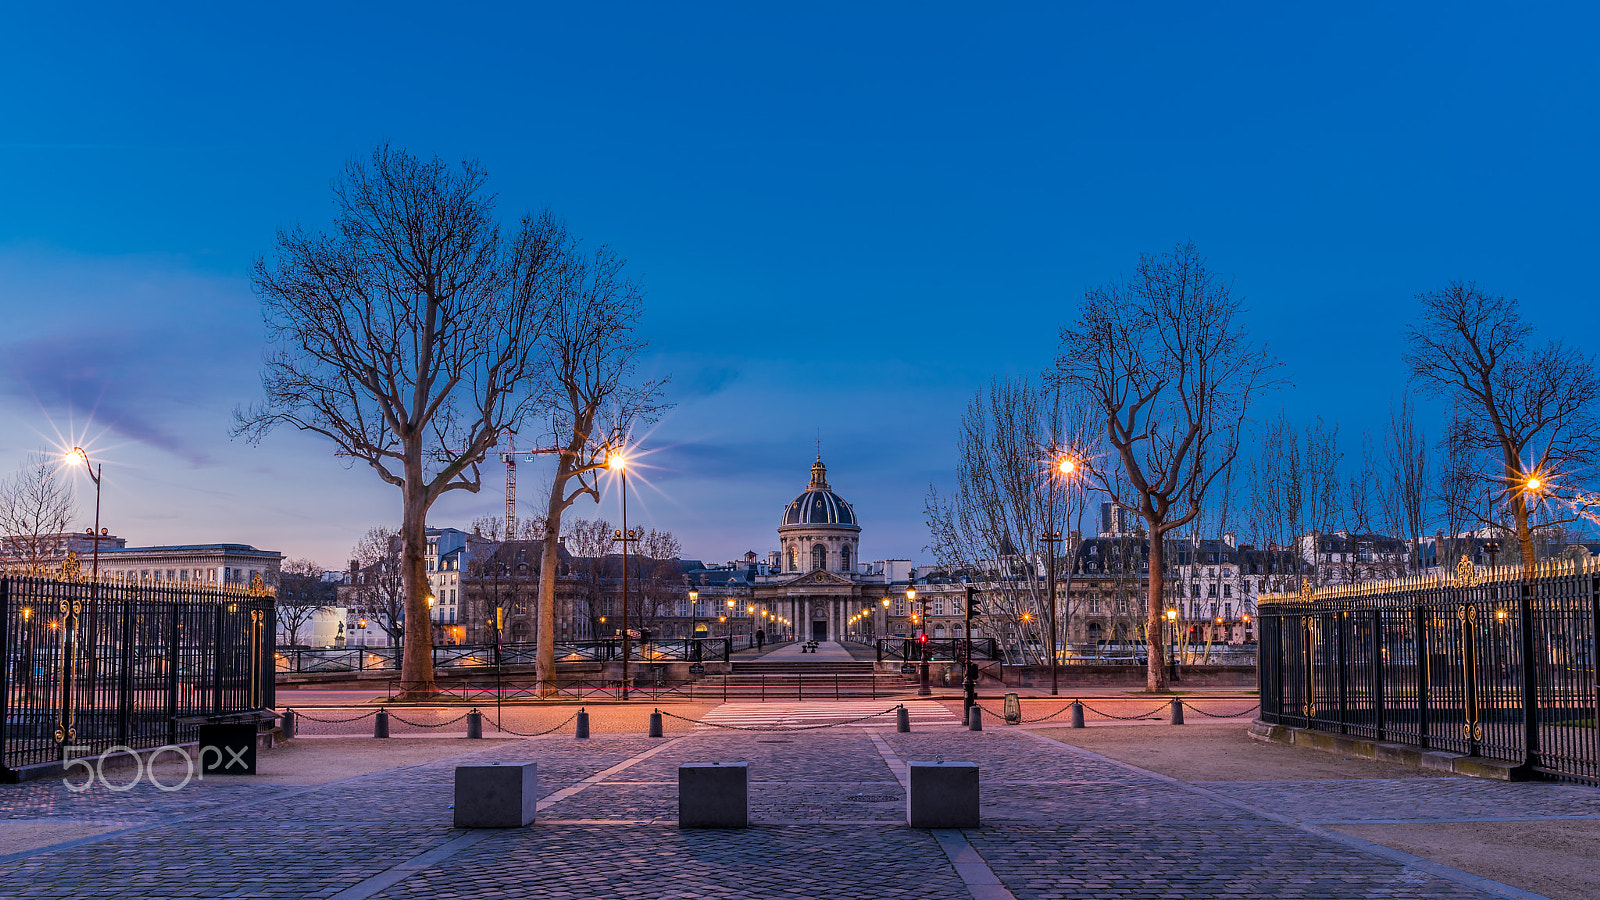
(694, 621)
(619, 463)
(77, 453)
(1065, 467)
(923, 690)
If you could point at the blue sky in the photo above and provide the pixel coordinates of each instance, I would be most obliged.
(847, 217)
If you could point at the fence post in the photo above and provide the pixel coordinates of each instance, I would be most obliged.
(1419, 646)
(1341, 621)
(1530, 679)
(172, 677)
(125, 677)
(5, 662)
(216, 658)
(1377, 672)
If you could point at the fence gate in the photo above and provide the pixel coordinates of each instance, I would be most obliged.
(88, 666)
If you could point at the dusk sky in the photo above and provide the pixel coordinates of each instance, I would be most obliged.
(848, 218)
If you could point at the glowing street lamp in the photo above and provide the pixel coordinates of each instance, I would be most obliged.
(618, 463)
(1065, 466)
(1172, 659)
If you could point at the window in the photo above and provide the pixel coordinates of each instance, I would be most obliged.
(452, 617)
(792, 566)
(452, 595)
(899, 606)
(938, 606)
(1094, 605)
(1211, 590)
(844, 558)
(1227, 590)
(819, 557)
(681, 608)
(1227, 610)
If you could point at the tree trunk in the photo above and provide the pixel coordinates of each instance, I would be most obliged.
(550, 558)
(544, 658)
(416, 673)
(1156, 667)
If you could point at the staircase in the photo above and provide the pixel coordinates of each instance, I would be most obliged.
(802, 667)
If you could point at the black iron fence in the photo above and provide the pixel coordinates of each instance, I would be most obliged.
(377, 659)
(937, 649)
(85, 667)
(1485, 664)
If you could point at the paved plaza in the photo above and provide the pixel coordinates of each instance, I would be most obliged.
(351, 818)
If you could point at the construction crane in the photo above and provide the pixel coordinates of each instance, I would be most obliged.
(510, 459)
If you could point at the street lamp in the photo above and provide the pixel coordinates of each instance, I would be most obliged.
(1065, 467)
(77, 454)
(694, 621)
(618, 463)
(923, 689)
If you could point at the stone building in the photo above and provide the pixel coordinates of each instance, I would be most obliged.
(823, 585)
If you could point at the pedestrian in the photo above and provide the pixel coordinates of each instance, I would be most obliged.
(761, 638)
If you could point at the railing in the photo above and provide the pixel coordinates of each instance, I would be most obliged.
(826, 686)
(936, 649)
(380, 659)
(1486, 665)
(85, 667)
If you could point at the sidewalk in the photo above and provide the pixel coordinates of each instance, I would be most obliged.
(1135, 811)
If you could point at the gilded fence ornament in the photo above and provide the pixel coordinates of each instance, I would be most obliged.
(71, 569)
(1466, 572)
(258, 588)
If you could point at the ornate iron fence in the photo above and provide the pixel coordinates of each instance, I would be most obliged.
(1485, 663)
(89, 666)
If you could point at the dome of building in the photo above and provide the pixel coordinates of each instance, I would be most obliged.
(819, 505)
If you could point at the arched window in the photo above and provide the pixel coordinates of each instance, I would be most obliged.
(791, 559)
(819, 557)
(844, 558)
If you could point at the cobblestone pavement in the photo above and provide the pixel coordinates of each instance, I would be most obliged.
(827, 809)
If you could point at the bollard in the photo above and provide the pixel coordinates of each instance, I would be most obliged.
(474, 725)
(902, 719)
(583, 725)
(655, 723)
(380, 724)
(975, 718)
(1077, 714)
(1177, 711)
(288, 724)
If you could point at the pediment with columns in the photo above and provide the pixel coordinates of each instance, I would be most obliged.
(819, 577)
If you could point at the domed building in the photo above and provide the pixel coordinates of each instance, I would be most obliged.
(821, 583)
(819, 530)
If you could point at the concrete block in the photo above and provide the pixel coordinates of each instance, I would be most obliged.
(714, 795)
(942, 795)
(496, 796)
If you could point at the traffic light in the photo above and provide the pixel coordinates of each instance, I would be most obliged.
(922, 638)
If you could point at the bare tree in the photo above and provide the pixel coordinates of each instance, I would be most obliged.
(995, 522)
(1164, 358)
(589, 541)
(592, 403)
(1406, 494)
(301, 595)
(36, 508)
(409, 337)
(379, 588)
(1528, 412)
(657, 583)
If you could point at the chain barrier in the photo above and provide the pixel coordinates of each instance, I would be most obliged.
(405, 721)
(300, 715)
(1219, 715)
(502, 728)
(1127, 718)
(777, 727)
